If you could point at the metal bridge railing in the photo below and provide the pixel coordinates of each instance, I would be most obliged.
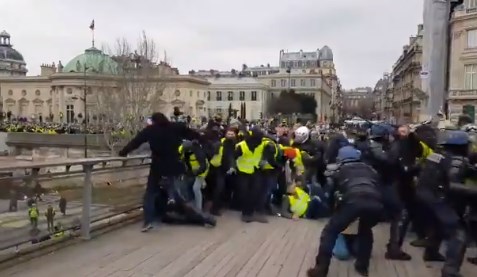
(95, 189)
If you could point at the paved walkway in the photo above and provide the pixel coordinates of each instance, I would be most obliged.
(280, 248)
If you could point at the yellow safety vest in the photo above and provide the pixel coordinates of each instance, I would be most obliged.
(249, 161)
(299, 202)
(194, 163)
(216, 160)
(426, 151)
(59, 234)
(264, 144)
(297, 161)
(33, 212)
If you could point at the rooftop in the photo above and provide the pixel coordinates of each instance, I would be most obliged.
(234, 81)
(324, 53)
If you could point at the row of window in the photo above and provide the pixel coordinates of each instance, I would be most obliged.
(24, 92)
(293, 83)
(299, 64)
(230, 96)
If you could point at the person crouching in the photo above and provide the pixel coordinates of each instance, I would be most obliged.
(355, 185)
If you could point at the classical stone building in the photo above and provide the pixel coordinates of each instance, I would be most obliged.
(359, 102)
(237, 92)
(382, 98)
(463, 61)
(61, 93)
(406, 76)
(311, 73)
(11, 61)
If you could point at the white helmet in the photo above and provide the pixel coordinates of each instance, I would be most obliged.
(302, 134)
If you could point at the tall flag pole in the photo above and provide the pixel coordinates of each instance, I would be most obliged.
(91, 26)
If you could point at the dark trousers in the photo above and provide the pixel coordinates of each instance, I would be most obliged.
(393, 208)
(269, 178)
(281, 189)
(412, 213)
(368, 213)
(153, 191)
(218, 191)
(447, 225)
(251, 188)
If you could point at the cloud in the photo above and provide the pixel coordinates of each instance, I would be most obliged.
(366, 36)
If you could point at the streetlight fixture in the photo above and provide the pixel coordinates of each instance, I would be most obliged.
(85, 109)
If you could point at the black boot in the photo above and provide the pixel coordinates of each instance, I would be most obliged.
(318, 271)
(394, 251)
(472, 260)
(361, 270)
(397, 254)
(259, 217)
(247, 218)
(210, 220)
(433, 256)
(419, 243)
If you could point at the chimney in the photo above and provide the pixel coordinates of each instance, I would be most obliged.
(47, 69)
(420, 28)
(411, 39)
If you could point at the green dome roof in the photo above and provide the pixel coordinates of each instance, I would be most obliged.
(94, 60)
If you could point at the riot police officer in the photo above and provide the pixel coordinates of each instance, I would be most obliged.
(377, 155)
(440, 173)
(356, 187)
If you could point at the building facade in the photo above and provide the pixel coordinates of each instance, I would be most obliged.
(407, 85)
(311, 73)
(11, 61)
(463, 61)
(359, 102)
(383, 98)
(244, 95)
(65, 94)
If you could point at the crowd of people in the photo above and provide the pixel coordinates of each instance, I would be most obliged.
(46, 128)
(406, 175)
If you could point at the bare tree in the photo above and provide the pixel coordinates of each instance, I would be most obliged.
(140, 88)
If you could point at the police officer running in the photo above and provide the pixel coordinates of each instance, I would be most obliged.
(356, 186)
(441, 175)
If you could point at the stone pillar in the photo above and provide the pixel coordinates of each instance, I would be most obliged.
(435, 52)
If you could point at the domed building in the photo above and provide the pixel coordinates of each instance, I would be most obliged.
(11, 61)
(96, 85)
(92, 61)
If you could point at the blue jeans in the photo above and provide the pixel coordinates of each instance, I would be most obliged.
(151, 194)
(197, 189)
(317, 208)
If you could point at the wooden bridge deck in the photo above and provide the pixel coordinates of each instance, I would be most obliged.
(280, 248)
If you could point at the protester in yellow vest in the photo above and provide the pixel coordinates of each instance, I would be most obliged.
(33, 214)
(248, 154)
(198, 167)
(269, 170)
(222, 167)
(299, 204)
(58, 231)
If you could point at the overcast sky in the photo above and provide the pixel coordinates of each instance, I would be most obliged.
(366, 36)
